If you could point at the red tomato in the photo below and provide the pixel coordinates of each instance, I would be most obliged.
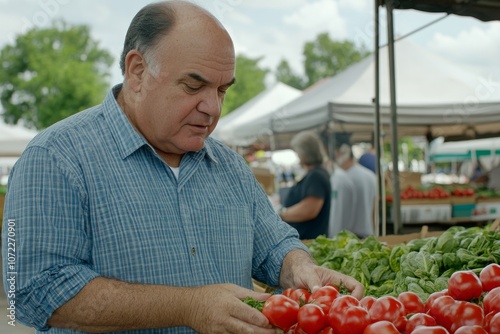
(324, 297)
(465, 314)
(346, 316)
(471, 330)
(432, 297)
(386, 308)
(327, 290)
(491, 302)
(301, 296)
(430, 330)
(295, 329)
(311, 318)
(379, 327)
(490, 276)
(443, 311)
(400, 323)
(494, 324)
(464, 285)
(411, 302)
(281, 311)
(487, 319)
(367, 302)
(327, 330)
(419, 319)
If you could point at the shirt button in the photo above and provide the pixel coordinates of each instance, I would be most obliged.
(193, 251)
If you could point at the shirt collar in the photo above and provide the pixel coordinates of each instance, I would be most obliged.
(125, 135)
(127, 138)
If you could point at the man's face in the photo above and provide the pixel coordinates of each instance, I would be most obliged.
(178, 108)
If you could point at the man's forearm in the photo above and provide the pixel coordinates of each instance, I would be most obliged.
(105, 305)
(292, 263)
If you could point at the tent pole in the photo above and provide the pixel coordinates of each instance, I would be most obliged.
(394, 120)
(376, 133)
(330, 133)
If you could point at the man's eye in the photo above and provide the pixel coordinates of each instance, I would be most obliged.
(193, 88)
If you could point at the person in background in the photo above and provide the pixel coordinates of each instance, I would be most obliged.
(130, 218)
(342, 198)
(307, 205)
(369, 158)
(494, 178)
(342, 209)
(365, 189)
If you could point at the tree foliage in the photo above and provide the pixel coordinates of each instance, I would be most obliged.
(250, 81)
(285, 74)
(323, 57)
(52, 73)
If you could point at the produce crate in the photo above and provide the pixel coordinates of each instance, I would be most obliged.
(394, 239)
(463, 199)
(429, 213)
(487, 210)
(462, 210)
(2, 201)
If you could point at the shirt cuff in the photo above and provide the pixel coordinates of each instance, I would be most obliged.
(48, 291)
(275, 260)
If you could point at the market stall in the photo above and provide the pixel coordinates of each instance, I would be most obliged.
(427, 282)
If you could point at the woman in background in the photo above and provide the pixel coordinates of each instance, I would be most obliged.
(307, 205)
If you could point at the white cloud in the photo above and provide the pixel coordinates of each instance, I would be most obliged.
(319, 16)
(357, 5)
(476, 45)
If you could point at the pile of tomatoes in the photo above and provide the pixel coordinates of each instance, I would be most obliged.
(470, 305)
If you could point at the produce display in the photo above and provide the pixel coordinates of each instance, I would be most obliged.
(447, 284)
(466, 306)
(422, 266)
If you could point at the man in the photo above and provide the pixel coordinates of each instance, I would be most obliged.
(365, 189)
(128, 217)
(369, 158)
(342, 211)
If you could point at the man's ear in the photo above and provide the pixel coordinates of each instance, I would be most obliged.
(135, 69)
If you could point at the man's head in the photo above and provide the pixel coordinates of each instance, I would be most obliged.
(343, 151)
(178, 61)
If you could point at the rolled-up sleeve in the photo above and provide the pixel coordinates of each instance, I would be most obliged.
(46, 216)
(274, 240)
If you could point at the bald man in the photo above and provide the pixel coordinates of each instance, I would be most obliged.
(128, 217)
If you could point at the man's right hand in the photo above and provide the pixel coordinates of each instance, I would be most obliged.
(219, 308)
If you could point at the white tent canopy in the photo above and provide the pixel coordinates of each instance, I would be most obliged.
(14, 139)
(434, 98)
(262, 104)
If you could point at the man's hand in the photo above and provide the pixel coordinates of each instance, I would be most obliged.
(219, 308)
(300, 271)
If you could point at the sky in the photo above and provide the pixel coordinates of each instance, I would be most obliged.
(271, 29)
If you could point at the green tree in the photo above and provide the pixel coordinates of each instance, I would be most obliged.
(325, 57)
(285, 74)
(52, 73)
(250, 81)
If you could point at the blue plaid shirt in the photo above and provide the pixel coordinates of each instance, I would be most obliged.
(90, 197)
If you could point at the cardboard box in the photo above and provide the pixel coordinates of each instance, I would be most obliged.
(463, 199)
(394, 239)
(406, 179)
(266, 179)
(488, 200)
(411, 214)
(426, 201)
